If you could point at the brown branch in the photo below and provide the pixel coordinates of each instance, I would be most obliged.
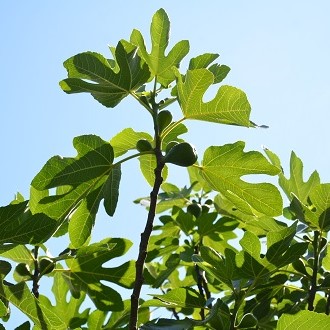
(139, 264)
(36, 273)
(313, 286)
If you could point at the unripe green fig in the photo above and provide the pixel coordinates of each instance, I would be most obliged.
(170, 145)
(182, 154)
(143, 145)
(205, 208)
(23, 269)
(164, 119)
(46, 266)
(194, 209)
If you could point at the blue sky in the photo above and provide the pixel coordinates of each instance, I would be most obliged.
(278, 52)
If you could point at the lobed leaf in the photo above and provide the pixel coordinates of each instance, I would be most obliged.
(223, 167)
(92, 73)
(230, 105)
(160, 64)
(87, 272)
(81, 184)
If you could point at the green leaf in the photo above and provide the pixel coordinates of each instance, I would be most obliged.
(220, 267)
(160, 65)
(223, 167)
(147, 165)
(126, 140)
(17, 253)
(92, 73)
(230, 105)
(180, 297)
(111, 190)
(203, 61)
(80, 183)
(87, 271)
(318, 213)
(295, 184)
(171, 133)
(303, 320)
(68, 311)
(96, 320)
(19, 226)
(249, 261)
(20, 296)
(168, 324)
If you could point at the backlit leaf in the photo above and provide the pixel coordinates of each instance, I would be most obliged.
(223, 167)
(230, 105)
(303, 320)
(160, 64)
(126, 140)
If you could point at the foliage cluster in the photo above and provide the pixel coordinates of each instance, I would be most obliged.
(225, 253)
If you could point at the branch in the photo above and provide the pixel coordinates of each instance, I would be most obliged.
(36, 273)
(139, 264)
(313, 286)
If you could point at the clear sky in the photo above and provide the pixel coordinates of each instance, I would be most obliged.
(278, 52)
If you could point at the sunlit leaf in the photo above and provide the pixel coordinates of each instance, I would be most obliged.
(92, 73)
(295, 184)
(223, 167)
(303, 320)
(230, 105)
(160, 64)
(126, 140)
(147, 165)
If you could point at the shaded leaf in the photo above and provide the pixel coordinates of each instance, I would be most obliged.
(160, 64)
(111, 190)
(68, 311)
(80, 185)
(180, 297)
(20, 226)
(87, 272)
(223, 167)
(92, 73)
(20, 296)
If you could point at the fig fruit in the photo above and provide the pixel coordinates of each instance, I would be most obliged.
(194, 209)
(143, 145)
(181, 154)
(164, 119)
(170, 145)
(23, 269)
(46, 266)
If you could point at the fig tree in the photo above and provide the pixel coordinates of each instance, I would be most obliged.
(182, 154)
